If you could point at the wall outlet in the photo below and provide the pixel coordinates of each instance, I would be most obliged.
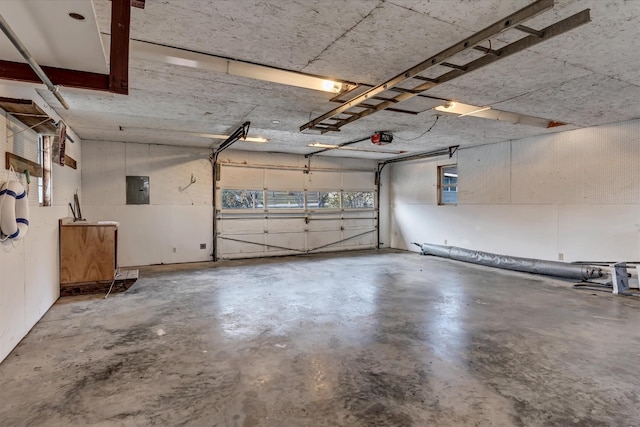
(203, 246)
(445, 241)
(560, 256)
(174, 250)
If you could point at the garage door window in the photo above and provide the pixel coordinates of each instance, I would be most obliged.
(357, 199)
(323, 200)
(285, 199)
(242, 199)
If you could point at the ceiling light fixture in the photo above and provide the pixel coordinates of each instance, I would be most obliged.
(460, 108)
(475, 111)
(255, 139)
(203, 61)
(463, 110)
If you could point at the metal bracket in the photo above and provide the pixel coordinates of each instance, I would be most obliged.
(619, 278)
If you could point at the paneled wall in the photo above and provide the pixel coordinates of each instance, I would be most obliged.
(178, 218)
(29, 282)
(573, 195)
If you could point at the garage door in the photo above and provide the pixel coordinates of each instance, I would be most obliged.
(269, 212)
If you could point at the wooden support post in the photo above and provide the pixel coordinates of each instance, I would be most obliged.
(119, 56)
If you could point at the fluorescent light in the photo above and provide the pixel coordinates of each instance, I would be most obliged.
(255, 139)
(493, 114)
(460, 108)
(331, 86)
(247, 139)
(451, 175)
(475, 111)
(203, 61)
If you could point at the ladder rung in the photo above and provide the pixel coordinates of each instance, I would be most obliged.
(457, 67)
(530, 30)
(486, 50)
(425, 79)
(326, 128)
(382, 98)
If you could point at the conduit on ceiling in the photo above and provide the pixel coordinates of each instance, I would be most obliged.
(17, 43)
(117, 81)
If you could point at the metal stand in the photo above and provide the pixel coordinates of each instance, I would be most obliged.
(619, 278)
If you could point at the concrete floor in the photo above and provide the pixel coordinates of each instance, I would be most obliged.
(366, 339)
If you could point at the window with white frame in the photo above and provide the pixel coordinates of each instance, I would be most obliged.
(448, 185)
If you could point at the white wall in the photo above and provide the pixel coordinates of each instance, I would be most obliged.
(29, 273)
(575, 193)
(178, 215)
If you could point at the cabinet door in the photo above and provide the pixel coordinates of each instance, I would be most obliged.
(87, 253)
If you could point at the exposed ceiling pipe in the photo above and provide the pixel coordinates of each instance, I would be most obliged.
(34, 65)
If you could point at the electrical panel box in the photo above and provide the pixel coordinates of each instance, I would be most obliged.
(137, 190)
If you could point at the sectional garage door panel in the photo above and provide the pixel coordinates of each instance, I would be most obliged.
(240, 247)
(239, 225)
(286, 241)
(359, 239)
(323, 224)
(324, 181)
(357, 180)
(319, 240)
(285, 224)
(262, 211)
(284, 179)
(237, 178)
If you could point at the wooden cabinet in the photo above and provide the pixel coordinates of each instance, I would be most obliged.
(88, 251)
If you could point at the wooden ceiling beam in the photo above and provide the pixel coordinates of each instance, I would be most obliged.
(138, 3)
(117, 81)
(119, 55)
(19, 71)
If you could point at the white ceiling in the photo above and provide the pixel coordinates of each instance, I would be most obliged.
(588, 76)
(54, 39)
